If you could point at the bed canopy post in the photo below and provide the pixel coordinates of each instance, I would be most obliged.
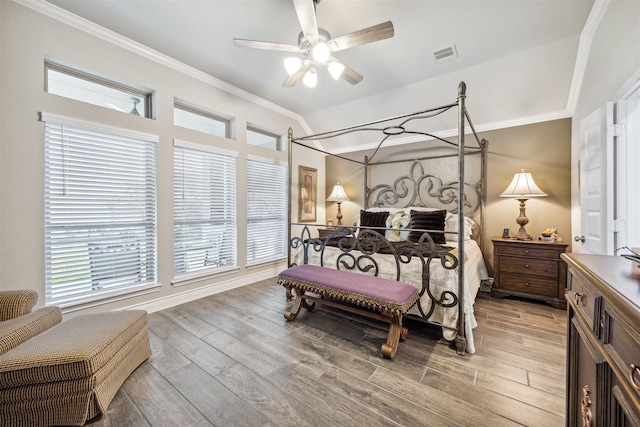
(460, 340)
(289, 192)
(366, 187)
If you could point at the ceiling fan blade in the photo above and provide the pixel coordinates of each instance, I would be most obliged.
(364, 36)
(295, 78)
(255, 44)
(306, 11)
(349, 74)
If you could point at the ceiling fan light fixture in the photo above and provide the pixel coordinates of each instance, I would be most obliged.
(292, 64)
(310, 78)
(320, 52)
(335, 69)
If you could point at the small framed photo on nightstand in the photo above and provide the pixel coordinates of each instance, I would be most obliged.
(505, 233)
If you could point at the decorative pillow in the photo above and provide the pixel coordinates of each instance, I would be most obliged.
(373, 219)
(396, 222)
(451, 224)
(430, 220)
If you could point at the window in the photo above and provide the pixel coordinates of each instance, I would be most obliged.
(204, 190)
(83, 86)
(191, 117)
(100, 213)
(263, 138)
(266, 210)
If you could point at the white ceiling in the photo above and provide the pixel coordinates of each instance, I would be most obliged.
(517, 56)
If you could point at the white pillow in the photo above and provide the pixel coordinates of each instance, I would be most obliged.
(451, 225)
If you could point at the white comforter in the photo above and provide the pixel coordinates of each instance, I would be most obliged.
(442, 280)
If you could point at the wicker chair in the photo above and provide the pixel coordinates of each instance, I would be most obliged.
(64, 373)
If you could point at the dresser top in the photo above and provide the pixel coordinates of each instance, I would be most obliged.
(619, 274)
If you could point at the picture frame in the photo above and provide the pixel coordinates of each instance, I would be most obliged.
(307, 194)
(505, 233)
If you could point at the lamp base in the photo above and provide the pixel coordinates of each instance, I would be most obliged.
(521, 235)
(522, 220)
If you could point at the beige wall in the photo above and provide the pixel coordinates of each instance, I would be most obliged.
(544, 149)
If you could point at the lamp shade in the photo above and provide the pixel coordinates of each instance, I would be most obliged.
(523, 186)
(338, 194)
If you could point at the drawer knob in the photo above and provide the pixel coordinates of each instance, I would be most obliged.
(526, 284)
(635, 373)
(578, 297)
(526, 251)
(526, 266)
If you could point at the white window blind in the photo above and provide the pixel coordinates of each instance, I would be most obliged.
(205, 226)
(266, 210)
(100, 214)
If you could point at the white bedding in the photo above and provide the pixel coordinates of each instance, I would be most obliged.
(441, 280)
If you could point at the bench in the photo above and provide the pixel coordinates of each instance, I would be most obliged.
(388, 299)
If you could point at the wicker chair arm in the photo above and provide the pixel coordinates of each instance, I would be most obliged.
(16, 303)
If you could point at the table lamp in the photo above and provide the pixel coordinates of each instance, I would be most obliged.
(338, 195)
(522, 187)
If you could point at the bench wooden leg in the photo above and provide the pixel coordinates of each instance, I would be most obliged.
(396, 332)
(299, 302)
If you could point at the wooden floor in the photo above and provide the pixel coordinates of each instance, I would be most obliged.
(232, 360)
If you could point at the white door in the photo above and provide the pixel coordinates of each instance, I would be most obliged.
(596, 182)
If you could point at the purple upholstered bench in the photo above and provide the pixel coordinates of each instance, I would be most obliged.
(390, 298)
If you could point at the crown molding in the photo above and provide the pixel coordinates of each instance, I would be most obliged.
(79, 23)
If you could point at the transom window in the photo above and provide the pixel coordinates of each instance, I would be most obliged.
(84, 86)
(188, 116)
(263, 138)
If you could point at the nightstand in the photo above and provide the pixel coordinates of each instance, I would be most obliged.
(531, 269)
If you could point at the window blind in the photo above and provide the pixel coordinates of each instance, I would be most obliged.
(205, 225)
(100, 214)
(266, 210)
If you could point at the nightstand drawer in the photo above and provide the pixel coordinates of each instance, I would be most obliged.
(527, 251)
(536, 267)
(528, 284)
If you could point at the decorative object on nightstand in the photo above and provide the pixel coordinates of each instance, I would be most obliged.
(522, 187)
(338, 195)
(531, 269)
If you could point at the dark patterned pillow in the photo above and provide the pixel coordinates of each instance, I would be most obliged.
(373, 219)
(429, 220)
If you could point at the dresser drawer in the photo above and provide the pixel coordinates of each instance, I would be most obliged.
(586, 302)
(529, 284)
(624, 345)
(537, 267)
(528, 251)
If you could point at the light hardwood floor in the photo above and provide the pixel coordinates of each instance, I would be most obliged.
(233, 360)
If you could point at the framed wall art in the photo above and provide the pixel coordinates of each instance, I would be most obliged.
(307, 193)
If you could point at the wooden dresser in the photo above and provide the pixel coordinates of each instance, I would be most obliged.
(531, 269)
(603, 341)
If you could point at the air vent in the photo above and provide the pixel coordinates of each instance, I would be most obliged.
(448, 53)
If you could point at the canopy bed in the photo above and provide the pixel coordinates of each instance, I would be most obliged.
(423, 227)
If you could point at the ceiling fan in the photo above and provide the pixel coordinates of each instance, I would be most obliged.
(316, 47)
